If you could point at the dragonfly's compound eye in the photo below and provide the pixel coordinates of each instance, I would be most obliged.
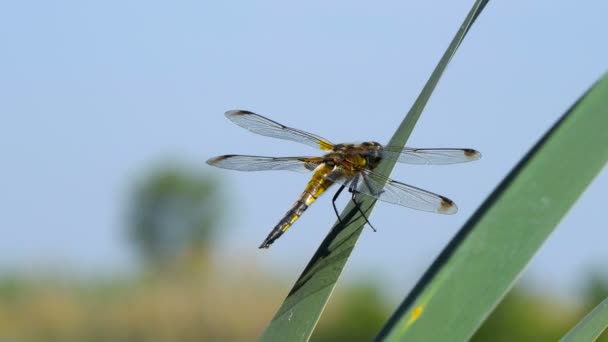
(374, 158)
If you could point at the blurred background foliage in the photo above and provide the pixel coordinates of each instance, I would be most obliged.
(181, 294)
(173, 217)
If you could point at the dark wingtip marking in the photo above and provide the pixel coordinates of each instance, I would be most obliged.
(447, 206)
(238, 112)
(215, 160)
(472, 154)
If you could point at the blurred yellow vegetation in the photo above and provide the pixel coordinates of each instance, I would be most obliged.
(210, 305)
(159, 307)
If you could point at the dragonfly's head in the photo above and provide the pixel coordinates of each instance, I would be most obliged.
(373, 153)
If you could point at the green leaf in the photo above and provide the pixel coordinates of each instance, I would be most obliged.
(484, 259)
(591, 326)
(300, 312)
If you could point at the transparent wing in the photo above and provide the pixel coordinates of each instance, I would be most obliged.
(430, 156)
(264, 126)
(257, 163)
(373, 184)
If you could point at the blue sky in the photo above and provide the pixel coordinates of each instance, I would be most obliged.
(93, 94)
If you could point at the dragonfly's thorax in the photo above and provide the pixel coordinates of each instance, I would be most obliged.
(356, 156)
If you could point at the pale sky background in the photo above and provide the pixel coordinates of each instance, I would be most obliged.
(92, 94)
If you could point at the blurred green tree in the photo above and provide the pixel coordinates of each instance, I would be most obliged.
(523, 316)
(173, 215)
(595, 288)
(595, 291)
(356, 315)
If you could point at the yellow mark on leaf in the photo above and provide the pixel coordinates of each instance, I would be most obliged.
(417, 312)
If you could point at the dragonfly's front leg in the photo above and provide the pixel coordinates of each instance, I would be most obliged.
(352, 188)
(333, 202)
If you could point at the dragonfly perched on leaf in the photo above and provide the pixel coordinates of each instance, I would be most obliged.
(350, 165)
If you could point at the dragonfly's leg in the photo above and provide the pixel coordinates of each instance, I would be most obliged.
(358, 206)
(333, 202)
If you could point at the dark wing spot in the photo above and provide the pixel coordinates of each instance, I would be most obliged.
(217, 159)
(243, 112)
(471, 154)
(447, 206)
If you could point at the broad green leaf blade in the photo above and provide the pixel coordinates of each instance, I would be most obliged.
(591, 326)
(484, 259)
(300, 312)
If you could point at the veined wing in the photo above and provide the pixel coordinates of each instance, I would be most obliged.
(264, 126)
(431, 156)
(257, 163)
(385, 189)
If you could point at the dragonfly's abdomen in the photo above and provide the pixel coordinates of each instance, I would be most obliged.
(317, 185)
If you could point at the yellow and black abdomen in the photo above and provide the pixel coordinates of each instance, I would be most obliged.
(317, 185)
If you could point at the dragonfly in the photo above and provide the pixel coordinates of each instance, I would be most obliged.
(350, 165)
